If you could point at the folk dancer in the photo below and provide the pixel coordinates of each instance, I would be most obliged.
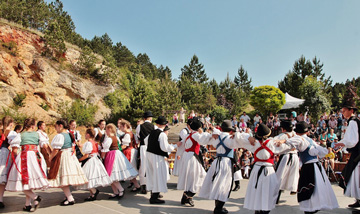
(157, 171)
(181, 148)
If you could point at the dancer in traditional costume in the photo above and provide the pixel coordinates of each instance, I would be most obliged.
(65, 169)
(44, 142)
(142, 131)
(116, 164)
(157, 171)
(93, 168)
(27, 172)
(7, 125)
(100, 131)
(351, 173)
(288, 165)
(314, 189)
(192, 172)
(219, 178)
(181, 148)
(263, 186)
(128, 145)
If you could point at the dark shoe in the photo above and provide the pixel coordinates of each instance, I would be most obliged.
(190, 201)
(114, 196)
(90, 198)
(236, 188)
(27, 208)
(2, 205)
(293, 193)
(183, 199)
(222, 211)
(121, 194)
(136, 189)
(38, 199)
(130, 185)
(67, 203)
(156, 201)
(160, 196)
(143, 189)
(356, 204)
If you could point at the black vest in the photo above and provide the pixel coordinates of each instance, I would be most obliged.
(353, 160)
(145, 130)
(154, 144)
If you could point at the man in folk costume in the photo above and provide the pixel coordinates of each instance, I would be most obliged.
(263, 186)
(192, 172)
(181, 148)
(287, 168)
(314, 189)
(351, 173)
(142, 131)
(219, 178)
(157, 166)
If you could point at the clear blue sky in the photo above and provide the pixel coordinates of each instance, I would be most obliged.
(266, 37)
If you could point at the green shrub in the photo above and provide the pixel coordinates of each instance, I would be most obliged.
(10, 47)
(80, 111)
(19, 118)
(19, 100)
(45, 106)
(220, 113)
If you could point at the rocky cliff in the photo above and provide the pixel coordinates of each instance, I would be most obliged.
(44, 81)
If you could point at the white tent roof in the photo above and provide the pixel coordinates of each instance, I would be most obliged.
(292, 102)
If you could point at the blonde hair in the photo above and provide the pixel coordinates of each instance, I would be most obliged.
(111, 127)
(125, 123)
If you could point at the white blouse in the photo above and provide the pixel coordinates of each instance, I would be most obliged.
(229, 143)
(97, 130)
(107, 143)
(14, 139)
(126, 140)
(58, 141)
(301, 143)
(43, 138)
(202, 139)
(351, 136)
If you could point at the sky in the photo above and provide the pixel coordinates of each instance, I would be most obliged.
(266, 37)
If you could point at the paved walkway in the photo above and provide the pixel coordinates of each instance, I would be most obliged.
(138, 203)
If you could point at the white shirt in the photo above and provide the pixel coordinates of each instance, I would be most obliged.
(245, 117)
(351, 136)
(163, 140)
(97, 130)
(257, 119)
(14, 139)
(107, 143)
(43, 138)
(126, 140)
(58, 141)
(228, 142)
(87, 147)
(202, 139)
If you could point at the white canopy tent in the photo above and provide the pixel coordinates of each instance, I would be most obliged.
(292, 102)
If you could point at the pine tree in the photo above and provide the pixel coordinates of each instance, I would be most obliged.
(54, 41)
(242, 80)
(194, 71)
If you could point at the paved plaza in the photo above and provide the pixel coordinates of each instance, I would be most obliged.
(138, 203)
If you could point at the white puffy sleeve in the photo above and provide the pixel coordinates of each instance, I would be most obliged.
(106, 144)
(126, 140)
(164, 144)
(96, 131)
(87, 148)
(14, 139)
(43, 139)
(317, 150)
(242, 140)
(298, 142)
(351, 136)
(202, 138)
(58, 141)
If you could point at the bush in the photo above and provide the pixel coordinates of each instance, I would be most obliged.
(18, 117)
(45, 106)
(18, 100)
(220, 113)
(10, 47)
(80, 111)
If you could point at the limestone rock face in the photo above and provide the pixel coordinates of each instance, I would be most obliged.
(44, 81)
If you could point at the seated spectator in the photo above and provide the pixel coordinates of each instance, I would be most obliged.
(242, 125)
(257, 118)
(246, 166)
(324, 128)
(329, 159)
(338, 152)
(300, 117)
(333, 123)
(331, 137)
(234, 121)
(322, 138)
(321, 122)
(343, 129)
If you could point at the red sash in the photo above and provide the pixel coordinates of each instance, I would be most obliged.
(195, 145)
(24, 167)
(263, 146)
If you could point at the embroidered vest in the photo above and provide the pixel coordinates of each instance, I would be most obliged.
(228, 152)
(29, 138)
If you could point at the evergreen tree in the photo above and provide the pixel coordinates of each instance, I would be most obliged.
(86, 63)
(54, 41)
(194, 71)
(123, 56)
(242, 81)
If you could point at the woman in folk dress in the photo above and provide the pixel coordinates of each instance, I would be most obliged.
(93, 167)
(65, 169)
(44, 142)
(116, 164)
(28, 170)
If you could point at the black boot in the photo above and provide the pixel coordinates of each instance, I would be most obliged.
(143, 189)
(219, 209)
(278, 198)
(155, 199)
(237, 186)
(183, 199)
(356, 204)
(189, 197)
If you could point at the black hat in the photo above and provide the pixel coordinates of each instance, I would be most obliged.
(301, 127)
(161, 120)
(263, 131)
(148, 114)
(166, 128)
(349, 98)
(287, 125)
(195, 124)
(189, 121)
(226, 126)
